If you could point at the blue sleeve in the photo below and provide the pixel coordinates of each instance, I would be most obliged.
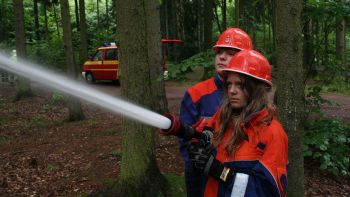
(189, 114)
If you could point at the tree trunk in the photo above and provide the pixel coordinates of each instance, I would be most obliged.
(307, 47)
(36, 19)
(139, 60)
(76, 9)
(237, 13)
(47, 36)
(83, 32)
(208, 24)
(290, 92)
(217, 19)
(326, 43)
(224, 18)
(23, 85)
(164, 19)
(340, 40)
(74, 105)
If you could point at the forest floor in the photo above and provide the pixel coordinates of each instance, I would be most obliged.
(43, 155)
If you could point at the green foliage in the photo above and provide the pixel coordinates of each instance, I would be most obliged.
(202, 59)
(57, 98)
(313, 100)
(6, 21)
(339, 85)
(5, 139)
(116, 153)
(52, 166)
(110, 131)
(177, 185)
(328, 141)
(50, 54)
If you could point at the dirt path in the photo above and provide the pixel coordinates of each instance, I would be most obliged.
(340, 109)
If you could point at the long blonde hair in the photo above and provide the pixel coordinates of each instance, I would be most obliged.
(258, 98)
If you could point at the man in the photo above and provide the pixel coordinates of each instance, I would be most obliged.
(203, 99)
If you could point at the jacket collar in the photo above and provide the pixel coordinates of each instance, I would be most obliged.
(256, 118)
(218, 82)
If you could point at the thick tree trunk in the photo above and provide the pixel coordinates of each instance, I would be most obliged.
(83, 32)
(23, 85)
(76, 9)
(160, 102)
(340, 40)
(217, 18)
(237, 13)
(224, 18)
(139, 59)
(47, 36)
(208, 24)
(290, 91)
(74, 105)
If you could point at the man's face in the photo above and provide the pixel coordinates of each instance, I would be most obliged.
(237, 95)
(222, 58)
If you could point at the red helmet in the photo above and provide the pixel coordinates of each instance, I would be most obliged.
(234, 38)
(251, 63)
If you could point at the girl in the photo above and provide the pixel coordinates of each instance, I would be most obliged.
(249, 152)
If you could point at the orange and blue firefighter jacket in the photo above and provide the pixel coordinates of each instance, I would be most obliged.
(200, 101)
(259, 164)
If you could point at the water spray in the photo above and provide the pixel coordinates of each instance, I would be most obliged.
(79, 90)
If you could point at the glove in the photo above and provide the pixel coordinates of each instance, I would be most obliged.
(180, 130)
(186, 132)
(204, 162)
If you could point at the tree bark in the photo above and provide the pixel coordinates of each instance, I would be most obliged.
(217, 19)
(290, 93)
(139, 61)
(74, 105)
(83, 32)
(47, 36)
(76, 9)
(326, 42)
(237, 13)
(23, 84)
(208, 24)
(340, 40)
(224, 18)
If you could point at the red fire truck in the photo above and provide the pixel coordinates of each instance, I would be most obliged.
(104, 64)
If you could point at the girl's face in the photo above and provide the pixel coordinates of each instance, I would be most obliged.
(223, 57)
(237, 95)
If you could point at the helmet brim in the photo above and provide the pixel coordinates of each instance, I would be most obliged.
(226, 46)
(245, 73)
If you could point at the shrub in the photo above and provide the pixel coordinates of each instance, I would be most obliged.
(328, 141)
(203, 59)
